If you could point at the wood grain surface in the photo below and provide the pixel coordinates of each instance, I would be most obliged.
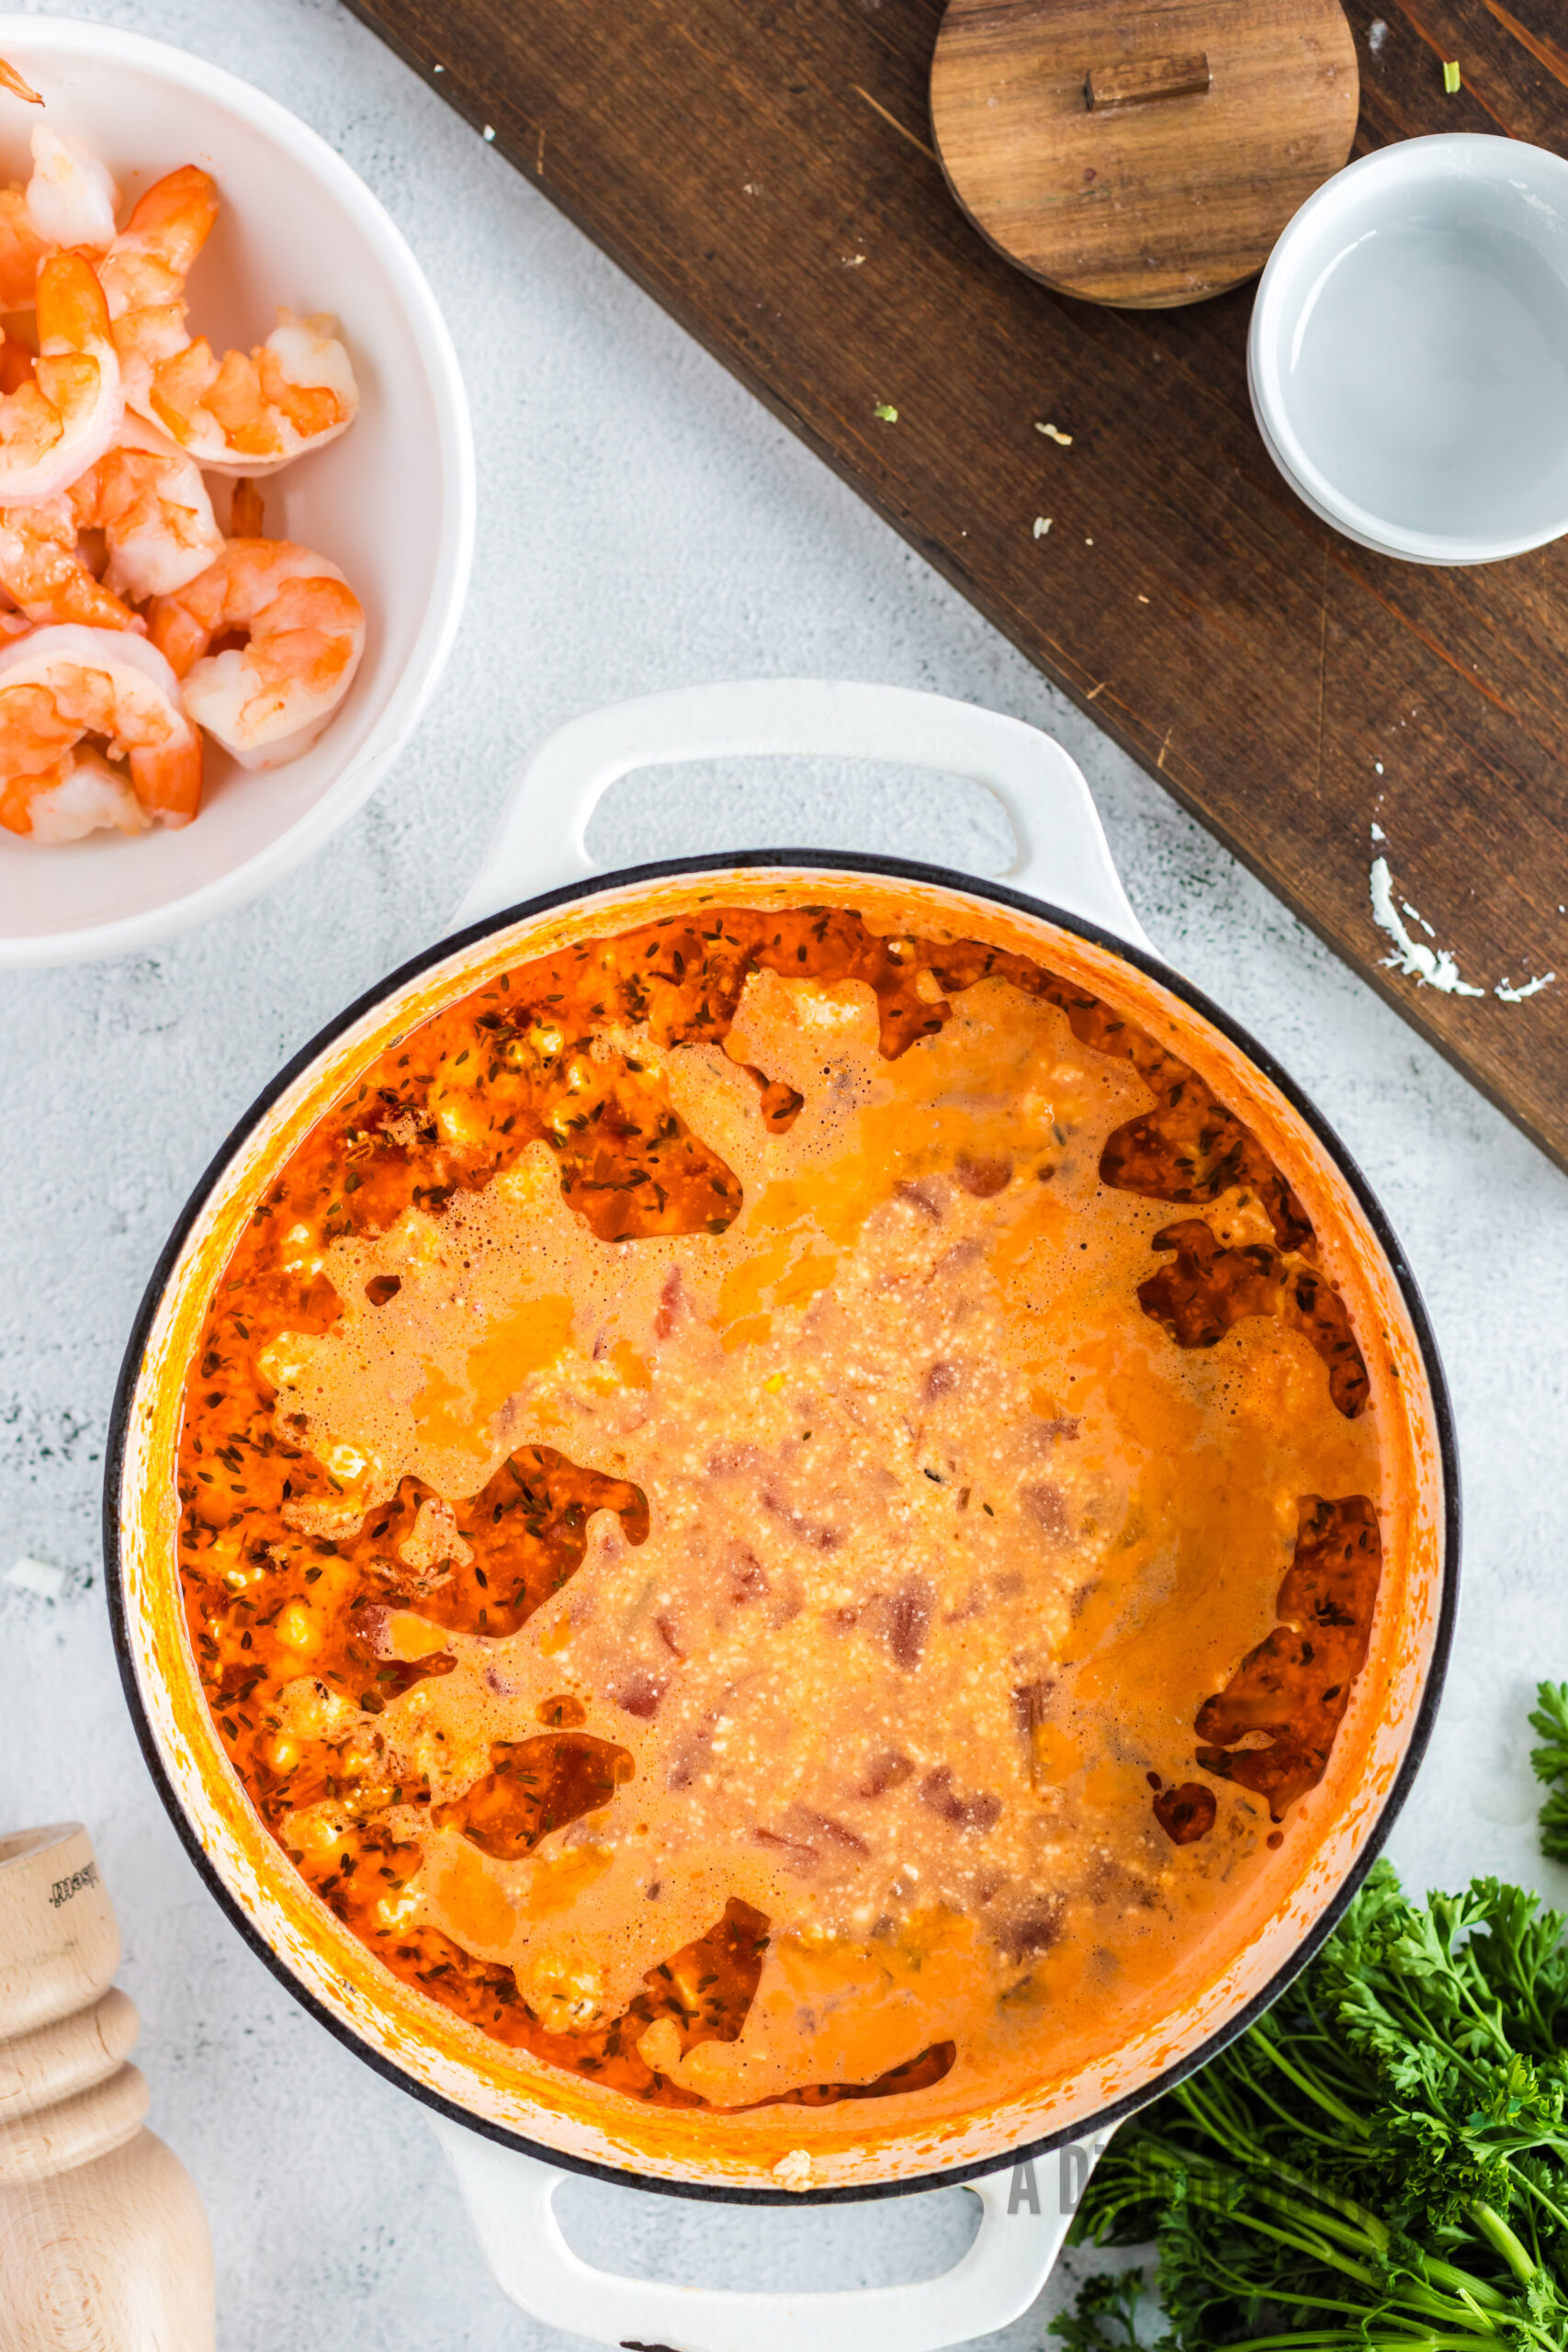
(764, 168)
(1095, 158)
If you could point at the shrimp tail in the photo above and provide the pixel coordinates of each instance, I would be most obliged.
(246, 514)
(177, 634)
(168, 781)
(11, 80)
(71, 306)
(17, 364)
(172, 221)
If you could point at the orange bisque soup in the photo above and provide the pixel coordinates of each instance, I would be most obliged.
(778, 1510)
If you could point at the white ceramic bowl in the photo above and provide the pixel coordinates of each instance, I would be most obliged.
(391, 502)
(1408, 356)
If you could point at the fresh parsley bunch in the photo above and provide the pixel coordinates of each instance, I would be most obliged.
(1381, 2163)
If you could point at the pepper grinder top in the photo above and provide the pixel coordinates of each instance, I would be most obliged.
(104, 2244)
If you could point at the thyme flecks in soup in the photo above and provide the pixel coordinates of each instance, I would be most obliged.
(776, 1513)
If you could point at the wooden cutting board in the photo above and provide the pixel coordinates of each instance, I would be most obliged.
(764, 168)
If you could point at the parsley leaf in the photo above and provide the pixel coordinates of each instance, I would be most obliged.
(1105, 2318)
(1549, 1764)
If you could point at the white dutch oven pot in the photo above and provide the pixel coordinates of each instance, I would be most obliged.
(509, 2127)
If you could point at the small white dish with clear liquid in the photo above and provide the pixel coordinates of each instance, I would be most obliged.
(1409, 355)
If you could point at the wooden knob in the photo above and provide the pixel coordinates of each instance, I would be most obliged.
(104, 2244)
(1106, 86)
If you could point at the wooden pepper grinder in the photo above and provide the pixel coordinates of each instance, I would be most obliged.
(104, 2244)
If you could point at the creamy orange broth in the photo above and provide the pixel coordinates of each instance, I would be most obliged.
(772, 1513)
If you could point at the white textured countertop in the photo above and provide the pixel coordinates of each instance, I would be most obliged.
(642, 523)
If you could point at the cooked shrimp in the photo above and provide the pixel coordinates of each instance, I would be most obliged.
(42, 569)
(58, 421)
(271, 698)
(152, 506)
(81, 794)
(70, 202)
(67, 693)
(145, 272)
(243, 414)
(71, 199)
(296, 391)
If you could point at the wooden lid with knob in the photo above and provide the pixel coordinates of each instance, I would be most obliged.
(1140, 153)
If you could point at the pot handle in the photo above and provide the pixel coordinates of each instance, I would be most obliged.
(539, 844)
(509, 2196)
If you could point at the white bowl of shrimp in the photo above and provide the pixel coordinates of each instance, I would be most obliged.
(236, 492)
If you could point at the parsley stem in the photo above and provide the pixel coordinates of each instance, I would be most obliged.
(1411, 2293)
(1502, 2240)
(1360, 2341)
(1315, 2091)
(1338, 2223)
(1533, 2188)
(1473, 2291)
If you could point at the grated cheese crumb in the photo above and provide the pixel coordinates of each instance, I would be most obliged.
(1042, 525)
(1431, 967)
(794, 2171)
(1053, 433)
(1531, 988)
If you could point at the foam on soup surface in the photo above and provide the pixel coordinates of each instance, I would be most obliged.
(774, 1513)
